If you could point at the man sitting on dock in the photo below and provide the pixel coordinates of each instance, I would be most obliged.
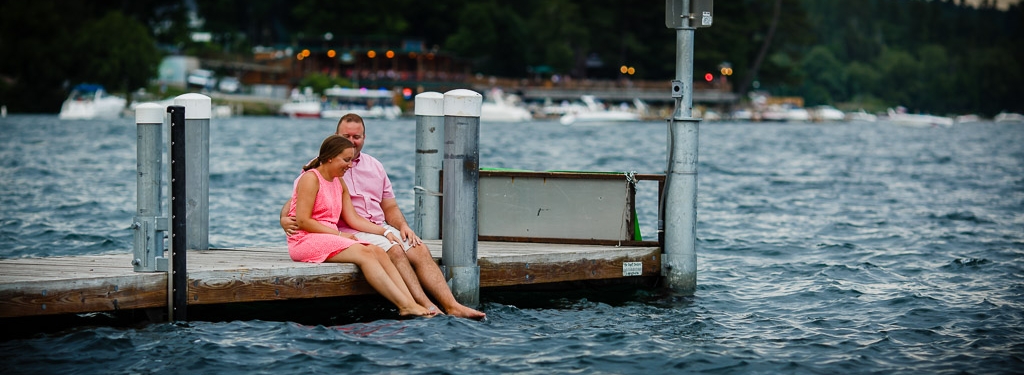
(374, 199)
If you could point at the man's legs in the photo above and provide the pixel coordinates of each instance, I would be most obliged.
(398, 257)
(430, 277)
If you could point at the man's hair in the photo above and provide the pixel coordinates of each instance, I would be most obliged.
(351, 117)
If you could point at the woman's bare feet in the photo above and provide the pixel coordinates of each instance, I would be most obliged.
(417, 310)
(466, 312)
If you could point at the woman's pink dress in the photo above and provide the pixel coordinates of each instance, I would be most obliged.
(309, 247)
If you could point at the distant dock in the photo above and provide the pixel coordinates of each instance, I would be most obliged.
(105, 283)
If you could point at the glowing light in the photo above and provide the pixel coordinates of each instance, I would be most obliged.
(623, 69)
(305, 53)
(708, 77)
(371, 54)
(390, 54)
(631, 70)
(331, 53)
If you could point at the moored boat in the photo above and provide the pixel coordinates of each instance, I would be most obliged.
(861, 116)
(900, 117)
(90, 101)
(595, 112)
(363, 102)
(500, 107)
(826, 113)
(302, 105)
(1008, 117)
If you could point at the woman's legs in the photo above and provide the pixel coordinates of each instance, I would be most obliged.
(380, 278)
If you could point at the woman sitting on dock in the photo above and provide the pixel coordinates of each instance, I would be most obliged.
(320, 198)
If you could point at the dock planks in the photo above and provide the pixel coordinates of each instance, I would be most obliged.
(98, 283)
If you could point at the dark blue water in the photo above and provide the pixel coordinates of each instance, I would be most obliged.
(822, 249)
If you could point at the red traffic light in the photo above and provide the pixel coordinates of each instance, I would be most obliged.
(708, 77)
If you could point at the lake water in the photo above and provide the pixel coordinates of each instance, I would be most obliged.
(822, 248)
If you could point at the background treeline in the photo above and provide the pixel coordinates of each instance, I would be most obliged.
(931, 56)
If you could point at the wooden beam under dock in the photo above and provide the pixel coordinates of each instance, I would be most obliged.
(101, 283)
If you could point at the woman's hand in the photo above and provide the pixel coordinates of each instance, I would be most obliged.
(289, 224)
(348, 235)
(390, 235)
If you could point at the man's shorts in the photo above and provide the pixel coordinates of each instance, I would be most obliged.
(382, 241)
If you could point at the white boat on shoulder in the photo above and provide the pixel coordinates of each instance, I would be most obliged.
(594, 112)
(303, 104)
(363, 102)
(1008, 117)
(861, 116)
(823, 113)
(88, 102)
(500, 107)
(785, 112)
(967, 119)
(900, 117)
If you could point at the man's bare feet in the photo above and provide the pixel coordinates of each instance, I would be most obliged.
(466, 312)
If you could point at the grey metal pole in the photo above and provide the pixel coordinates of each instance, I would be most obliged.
(429, 145)
(148, 223)
(680, 200)
(197, 141)
(461, 181)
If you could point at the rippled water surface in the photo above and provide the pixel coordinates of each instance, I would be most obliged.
(822, 248)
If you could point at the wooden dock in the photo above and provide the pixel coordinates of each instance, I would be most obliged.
(103, 283)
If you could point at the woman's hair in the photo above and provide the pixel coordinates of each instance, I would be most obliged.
(333, 146)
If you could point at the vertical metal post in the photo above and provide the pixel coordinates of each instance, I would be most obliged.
(680, 200)
(149, 224)
(179, 212)
(197, 135)
(461, 181)
(429, 145)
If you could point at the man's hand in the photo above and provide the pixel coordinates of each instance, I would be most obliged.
(289, 224)
(409, 236)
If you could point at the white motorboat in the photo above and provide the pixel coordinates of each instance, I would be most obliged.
(1008, 117)
(551, 109)
(89, 101)
(900, 117)
(861, 116)
(302, 105)
(363, 102)
(827, 113)
(499, 107)
(785, 112)
(595, 112)
(967, 119)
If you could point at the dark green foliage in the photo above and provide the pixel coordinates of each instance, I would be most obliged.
(932, 56)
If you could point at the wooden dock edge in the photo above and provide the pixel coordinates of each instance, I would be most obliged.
(214, 279)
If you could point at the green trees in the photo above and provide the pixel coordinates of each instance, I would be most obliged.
(122, 55)
(50, 46)
(934, 56)
(940, 57)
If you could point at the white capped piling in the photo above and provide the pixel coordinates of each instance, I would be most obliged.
(461, 182)
(429, 145)
(679, 213)
(149, 225)
(197, 140)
